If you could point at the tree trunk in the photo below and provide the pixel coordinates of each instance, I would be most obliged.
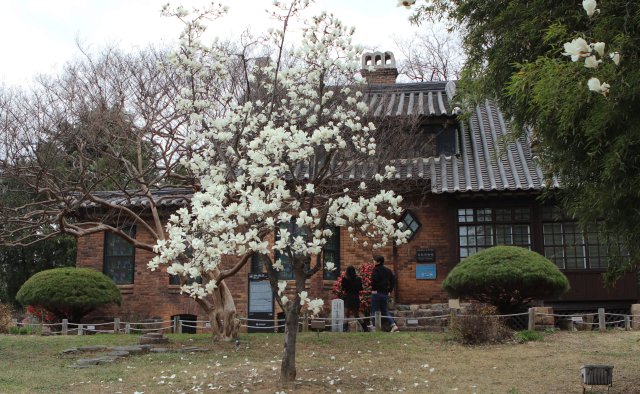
(288, 369)
(222, 314)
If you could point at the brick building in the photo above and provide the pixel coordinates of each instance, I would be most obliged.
(483, 193)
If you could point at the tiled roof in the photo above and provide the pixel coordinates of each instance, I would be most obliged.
(426, 98)
(479, 166)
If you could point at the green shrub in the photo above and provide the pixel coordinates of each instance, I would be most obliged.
(529, 335)
(69, 293)
(28, 330)
(14, 330)
(507, 277)
(480, 325)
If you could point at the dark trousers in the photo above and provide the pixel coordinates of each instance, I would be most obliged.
(379, 303)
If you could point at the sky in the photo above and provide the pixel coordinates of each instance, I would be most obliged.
(39, 36)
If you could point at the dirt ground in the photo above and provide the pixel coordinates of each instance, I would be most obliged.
(330, 363)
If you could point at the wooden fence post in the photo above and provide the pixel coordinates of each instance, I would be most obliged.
(627, 323)
(65, 326)
(378, 321)
(179, 326)
(532, 319)
(80, 329)
(305, 322)
(127, 328)
(116, 325)
(601, 320)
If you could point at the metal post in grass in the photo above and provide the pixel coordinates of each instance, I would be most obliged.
(176, 322)
(378, 321)
(179, 326)
(601, 321)
(627, 323)
(65, 326)
(80, 329)
(305, 322)
(532, 319)
(116, 325)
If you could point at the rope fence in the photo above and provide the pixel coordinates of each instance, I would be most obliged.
(176, 325)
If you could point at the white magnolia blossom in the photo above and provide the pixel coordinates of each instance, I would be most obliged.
(592, 62)
(406, 3)
(590, 7)
(596, 86)
(330, 266)
(576, 49)
(615, 56)
(248, 154)
(599, 47)
(315, 306)
(281, 286)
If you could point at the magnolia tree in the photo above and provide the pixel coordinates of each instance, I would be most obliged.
(273, 168)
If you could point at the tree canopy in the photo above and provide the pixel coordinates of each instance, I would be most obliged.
(589, 142)
(69, 293)
(507, 277)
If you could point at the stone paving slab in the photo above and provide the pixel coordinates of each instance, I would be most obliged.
(88, 361)
(70, 351)
(78, 366)
(119, 353)
(161, 350)
(91, 348)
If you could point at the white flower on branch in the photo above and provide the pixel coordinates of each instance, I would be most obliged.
(406, 3)
(576, 49)
(592, 62)
(590, 7)
(599, 47)
(596, 86)
(303, 297)
(281, 286)
(615, 56)
(330, 267)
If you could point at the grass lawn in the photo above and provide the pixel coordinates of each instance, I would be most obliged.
(351, 363)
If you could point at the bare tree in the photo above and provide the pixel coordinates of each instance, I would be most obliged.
(99, 146)
(434, 55)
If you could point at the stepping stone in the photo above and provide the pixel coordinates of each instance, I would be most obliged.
(160, 350)
(105, 360)
(78, 366)
(119, 353)
(144, 347)
(91, 348)
(146, 340)
(155, 335)
(109, 358)
(130, 349)
(89, 361)
(70, 351)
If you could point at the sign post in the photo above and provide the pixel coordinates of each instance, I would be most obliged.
(260, 303)
(337, 315)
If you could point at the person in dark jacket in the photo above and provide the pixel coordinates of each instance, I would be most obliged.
(382, 282)
(352, 286)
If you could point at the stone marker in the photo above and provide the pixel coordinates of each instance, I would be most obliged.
(337, 315)
(89, 361)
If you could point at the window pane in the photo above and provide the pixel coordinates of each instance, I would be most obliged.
(465, 215)
(504, 235)
(503, 214)
(120, 269)
(484, 215)
(331, 253)
(522, 213)
(521, 235)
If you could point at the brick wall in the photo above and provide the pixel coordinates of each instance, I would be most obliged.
(152, 296)
(380, 76)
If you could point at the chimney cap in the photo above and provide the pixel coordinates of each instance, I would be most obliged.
(378, 60)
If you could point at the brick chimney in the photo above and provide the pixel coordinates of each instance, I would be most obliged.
(385, 67)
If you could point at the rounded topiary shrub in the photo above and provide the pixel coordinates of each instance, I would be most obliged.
(507, 277)
(69, 293)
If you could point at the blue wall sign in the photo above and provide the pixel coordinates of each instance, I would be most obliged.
(425, 271)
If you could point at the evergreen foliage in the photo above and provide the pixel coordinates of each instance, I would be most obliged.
(506, 277)
(589, 142)
(69, 293)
